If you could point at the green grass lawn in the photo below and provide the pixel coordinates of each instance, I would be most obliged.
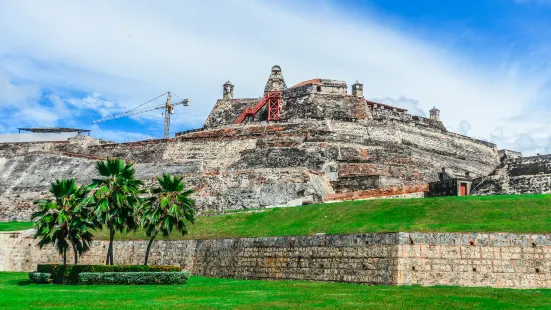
(209, 293)
(518, 213)
(11, 226)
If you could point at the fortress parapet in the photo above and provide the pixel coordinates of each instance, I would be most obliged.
(315, 99)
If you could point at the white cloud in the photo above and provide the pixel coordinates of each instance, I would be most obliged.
(405, 103)
(119, 135)
(13, 95)
(464, 128)
(130, 53)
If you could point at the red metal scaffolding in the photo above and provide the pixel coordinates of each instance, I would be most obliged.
(272, 99)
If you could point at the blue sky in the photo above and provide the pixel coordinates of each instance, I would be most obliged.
(485, 64)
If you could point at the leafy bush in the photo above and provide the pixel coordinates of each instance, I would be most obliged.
(68, 274)
(40, 277)
(133, 277)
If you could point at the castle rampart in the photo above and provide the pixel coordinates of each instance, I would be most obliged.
(459, 259)
(326, 144)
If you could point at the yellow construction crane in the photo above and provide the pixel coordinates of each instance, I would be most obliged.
(168, 106)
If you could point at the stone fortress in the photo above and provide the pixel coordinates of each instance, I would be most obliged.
(310, 143)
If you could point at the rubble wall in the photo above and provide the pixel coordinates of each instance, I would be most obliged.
(260, 165)
(517, 175)
(459, 259)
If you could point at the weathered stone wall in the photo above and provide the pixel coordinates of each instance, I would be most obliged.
(464, 259)
(260, 165)
(226, 111)
(517, 175)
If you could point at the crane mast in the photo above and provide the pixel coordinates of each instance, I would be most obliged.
(168, 107)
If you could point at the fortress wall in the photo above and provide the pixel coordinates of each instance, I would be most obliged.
(459, 259)
(245, 189)
(255, 166)
(226, 111)
(28, 177)
(522, 175)
(22, 148)
(213, 155)
(324, 106)
(295, 105)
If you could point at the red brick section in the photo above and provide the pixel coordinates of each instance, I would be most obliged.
(379, 192)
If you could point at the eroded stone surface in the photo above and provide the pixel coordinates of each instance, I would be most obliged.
(328, 145)
(259, 165)
(517, 175)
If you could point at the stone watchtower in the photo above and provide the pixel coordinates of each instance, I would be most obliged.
(275, 81)
(434, 114)
(228, 90)
(358, 89)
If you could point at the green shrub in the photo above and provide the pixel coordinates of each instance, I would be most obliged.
(68, 274)
(133, 277)
(40, 277)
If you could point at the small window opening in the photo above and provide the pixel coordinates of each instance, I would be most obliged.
(318, 89)
(474, 269)
(537, 270)
(413, 268)
(471, 242)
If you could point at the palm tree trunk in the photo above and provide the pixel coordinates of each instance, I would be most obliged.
(108, 257)
(148, 248)
(64, 256)
(74, 248)
(111, 250)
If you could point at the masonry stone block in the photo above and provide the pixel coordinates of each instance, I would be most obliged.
(433, 261)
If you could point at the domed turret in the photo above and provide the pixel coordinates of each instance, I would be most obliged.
(228, 90)
(358, 89)
(275, 81)
(434, 114)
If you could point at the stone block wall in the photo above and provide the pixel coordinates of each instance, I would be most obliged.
(517, 175)
(259, 165)
(464, 259)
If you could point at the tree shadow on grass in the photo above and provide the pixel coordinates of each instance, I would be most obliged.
(22, 283)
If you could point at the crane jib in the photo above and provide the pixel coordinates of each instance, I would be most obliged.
(168, 106)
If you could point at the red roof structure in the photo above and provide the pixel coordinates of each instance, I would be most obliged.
(312, 81)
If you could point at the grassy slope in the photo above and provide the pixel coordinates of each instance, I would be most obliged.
(522, 214)
(201, 293)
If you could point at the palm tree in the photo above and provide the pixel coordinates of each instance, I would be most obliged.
(65, 217)
(116, 198)
(167, 210)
